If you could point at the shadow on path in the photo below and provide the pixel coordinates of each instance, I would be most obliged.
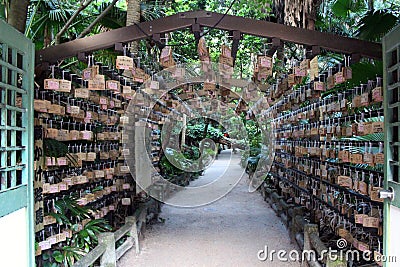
(228, 232)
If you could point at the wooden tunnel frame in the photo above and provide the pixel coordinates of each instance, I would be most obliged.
(197, 19)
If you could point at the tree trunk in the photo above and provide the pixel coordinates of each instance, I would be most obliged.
(47, 37)
(312, 16)
(132, 17)
(371, 5)
(298, 13)
(279, 11)
(17, 15)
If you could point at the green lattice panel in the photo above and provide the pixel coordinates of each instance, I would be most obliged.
(16, 126)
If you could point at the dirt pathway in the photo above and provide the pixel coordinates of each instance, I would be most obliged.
(228, 232)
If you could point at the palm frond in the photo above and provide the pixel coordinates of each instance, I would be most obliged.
(57, 15)
(68, 205)
(364, 71)
(31, 15)
(151, 11)
(70, 254)
(375, 25)
(114, 19)
(54, 148)
(342, 8)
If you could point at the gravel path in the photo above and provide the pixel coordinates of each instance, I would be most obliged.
(228, 232)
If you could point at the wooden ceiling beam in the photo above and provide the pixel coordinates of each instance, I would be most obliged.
(208, 19)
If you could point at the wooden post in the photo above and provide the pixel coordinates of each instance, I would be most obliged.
(141, 219)
(134, 232)
(207, 123)
(143, 165)
(183, 140)
(308, 229)
(109, 258)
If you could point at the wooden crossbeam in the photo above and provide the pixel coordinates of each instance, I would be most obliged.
(208, 19)
(296, 35)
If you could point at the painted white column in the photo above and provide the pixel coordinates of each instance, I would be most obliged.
(14, 239)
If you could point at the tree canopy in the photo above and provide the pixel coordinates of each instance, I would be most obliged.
(49, 21)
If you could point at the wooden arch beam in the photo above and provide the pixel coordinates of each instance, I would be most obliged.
(109, 39)
(296, 35)
(184, 20)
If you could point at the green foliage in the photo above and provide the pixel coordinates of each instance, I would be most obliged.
(376, 24)
(343, 8)
(71, 254)
(46, 18)
(250, 157)
(87, 237)
(150, 10)
(257, 9)
(183, 5)
(354, 18)
(68, 207)
(54, 148)
(254, 134)
(167, 168)
(196, 131)
(3, 9)
(252, 163)
(191, 152)
(173, 162)
(82, 241)
(364, 71)
(65, 256)
(115, 19)
(58, 257)
(179, 160)
(187, 52)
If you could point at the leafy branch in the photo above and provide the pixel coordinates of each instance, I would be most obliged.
(84, 4)
(99, 17)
